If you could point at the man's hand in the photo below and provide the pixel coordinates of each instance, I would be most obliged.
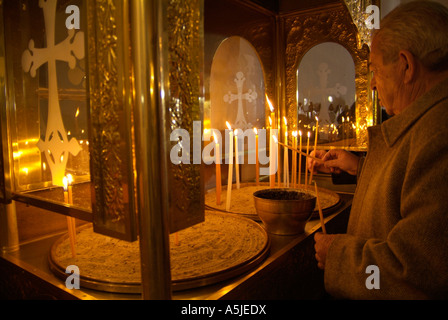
(323, 242)
(335, 161)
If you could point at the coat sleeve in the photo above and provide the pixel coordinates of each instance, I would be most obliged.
(413, 260)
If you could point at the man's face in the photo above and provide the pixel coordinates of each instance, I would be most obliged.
(386, 79)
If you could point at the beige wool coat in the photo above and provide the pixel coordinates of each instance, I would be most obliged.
(399, 217)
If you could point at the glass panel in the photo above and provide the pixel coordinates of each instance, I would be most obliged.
(47, 98)
(326, 92)
(237, 86)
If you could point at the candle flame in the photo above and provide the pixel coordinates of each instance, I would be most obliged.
(228, 125)
(300, 132)
(255, 130)
(269, 103)
(294, 133)
(270, 121)
(77, 113)
(69, 179)
(285, 121)
(215, 137)
(65, 183)
(317, 119)
(275, 139)
(309, 134)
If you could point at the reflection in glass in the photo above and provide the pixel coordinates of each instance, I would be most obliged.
(326, 92)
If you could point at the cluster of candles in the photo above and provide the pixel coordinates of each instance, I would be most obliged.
(296, 148)
(71, 223)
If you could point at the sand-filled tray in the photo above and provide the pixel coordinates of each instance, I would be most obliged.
(242, 201)
(218, 249)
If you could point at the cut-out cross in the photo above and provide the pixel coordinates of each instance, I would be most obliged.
(56, 145)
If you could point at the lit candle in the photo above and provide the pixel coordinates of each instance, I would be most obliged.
(230, 175)
(271, 155)
(70, 220)
(275, 163)
(285, 157)
(316, 137)
(65, 185)
(271, 107)
(257, 169)
(237, 160)
(294, 160)
(218, 169)
(70, 188)
(300, 160)
(307, 153)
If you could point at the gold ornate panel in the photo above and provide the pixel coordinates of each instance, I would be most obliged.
(111, 144)
(332, 23)
(185, 107)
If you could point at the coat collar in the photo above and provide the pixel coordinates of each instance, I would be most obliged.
(393, 128)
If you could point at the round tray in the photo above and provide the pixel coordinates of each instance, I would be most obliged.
(243, 203)
(222, 247)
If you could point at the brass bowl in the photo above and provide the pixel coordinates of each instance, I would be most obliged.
(284, 211)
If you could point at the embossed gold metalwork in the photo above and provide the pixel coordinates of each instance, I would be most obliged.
(113, 196)
(185, 105)
(332, 23)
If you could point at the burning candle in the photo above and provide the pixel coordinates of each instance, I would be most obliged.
(70, 188)
(237, 160)
(316, 137)
(218, 169)
(285, 157)
(271, 107)
(271, 155)
(230, 175)
(257, 169)
(294, 160)
(307, 153)
(70, 220)
(300, 160)
(65, 185)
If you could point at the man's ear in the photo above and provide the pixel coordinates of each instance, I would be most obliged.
(408, 63)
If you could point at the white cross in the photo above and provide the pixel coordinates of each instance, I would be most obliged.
(56, 145)
(250, 96)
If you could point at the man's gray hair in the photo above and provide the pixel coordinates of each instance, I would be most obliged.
(420, 27)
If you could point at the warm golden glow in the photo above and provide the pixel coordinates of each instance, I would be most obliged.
(270, 104)
(65, 183)
(228, 125)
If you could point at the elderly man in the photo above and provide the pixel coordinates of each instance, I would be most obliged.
(396, 246)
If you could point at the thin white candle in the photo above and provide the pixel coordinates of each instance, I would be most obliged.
(237, 160)
(230, 175)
